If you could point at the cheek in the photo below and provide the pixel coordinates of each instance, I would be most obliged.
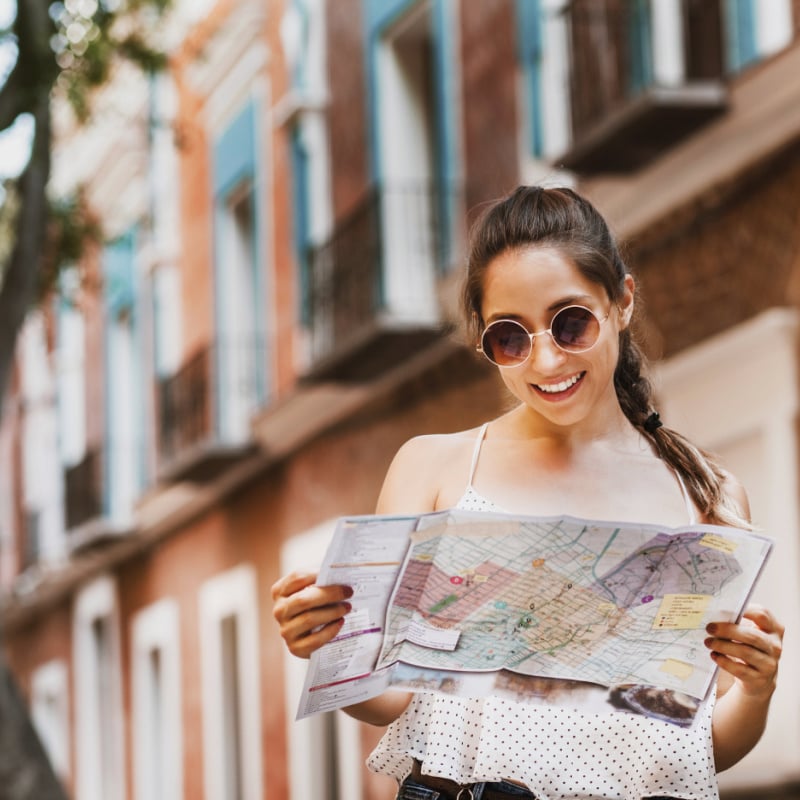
(609, 359)
(513, 380)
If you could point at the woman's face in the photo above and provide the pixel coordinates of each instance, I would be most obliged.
(563, 389)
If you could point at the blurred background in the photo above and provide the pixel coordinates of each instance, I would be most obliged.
(231, 242)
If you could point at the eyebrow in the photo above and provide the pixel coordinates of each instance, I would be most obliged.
(575, 299)
(570, 300)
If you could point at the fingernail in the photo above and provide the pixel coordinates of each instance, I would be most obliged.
(708, 642)
(711, 628)
(348, 591)
(348, 607)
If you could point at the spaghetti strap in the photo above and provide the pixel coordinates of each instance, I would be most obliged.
(476, 452)
(690, 506)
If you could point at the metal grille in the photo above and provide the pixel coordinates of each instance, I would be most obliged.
(397, 236)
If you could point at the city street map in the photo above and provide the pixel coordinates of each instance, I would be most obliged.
(603, 615)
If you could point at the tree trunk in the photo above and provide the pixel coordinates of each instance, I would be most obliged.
(25, 772)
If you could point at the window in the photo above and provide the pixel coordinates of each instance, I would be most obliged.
(8, 554)
(303, 40)
(156, 688)
(231, 686)
(331, 741)
(71, 355)
(99, 719)
(414, 155)
(164, 178)
(123, 447)
(50, 713)
(166, 320)
(756, 29)
(42, 482)
(238, 279)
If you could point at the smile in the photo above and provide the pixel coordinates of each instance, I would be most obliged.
(562, 386)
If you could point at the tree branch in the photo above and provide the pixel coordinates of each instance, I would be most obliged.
(35, 70)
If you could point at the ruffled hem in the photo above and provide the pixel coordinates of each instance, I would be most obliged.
(619, 755)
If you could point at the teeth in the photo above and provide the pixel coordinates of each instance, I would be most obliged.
(553, 388)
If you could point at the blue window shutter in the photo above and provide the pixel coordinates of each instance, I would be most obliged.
(118, 271)
(529, 50)
(300, 202)
(380, 13)
(741, 29)
(640, 44)
(235, 152)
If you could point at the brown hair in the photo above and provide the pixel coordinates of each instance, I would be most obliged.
(532, 216)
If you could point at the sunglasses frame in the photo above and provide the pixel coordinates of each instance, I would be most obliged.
(531, 336)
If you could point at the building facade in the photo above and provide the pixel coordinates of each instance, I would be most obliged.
(274, 311)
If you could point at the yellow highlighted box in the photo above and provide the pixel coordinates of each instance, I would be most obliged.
(681, 611)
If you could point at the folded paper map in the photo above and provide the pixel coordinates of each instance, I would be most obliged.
(600, 615)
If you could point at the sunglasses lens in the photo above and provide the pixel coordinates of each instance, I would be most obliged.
(575, 329)
(506, 343)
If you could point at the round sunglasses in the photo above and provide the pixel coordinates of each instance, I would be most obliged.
(508, 343)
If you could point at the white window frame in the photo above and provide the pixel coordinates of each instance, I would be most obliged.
(167, 318)
(8, 524)
(43, 485)
(238, 354)
(736, 394)
(50, 713)
(309, 739)
(157, 628)
(71, 357)
(97, 601)
(232, 593)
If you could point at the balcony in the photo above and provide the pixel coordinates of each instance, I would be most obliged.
(89, 521)
(642, 77)
(372, 294)
(83, 490)
(204, 412)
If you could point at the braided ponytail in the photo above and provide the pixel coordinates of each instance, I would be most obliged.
(561, 218)
(703, 476)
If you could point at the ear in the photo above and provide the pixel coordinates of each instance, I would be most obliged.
(626, 302)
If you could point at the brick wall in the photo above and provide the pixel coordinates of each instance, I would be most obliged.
(489, 71)
(726, 259)
(347, 111)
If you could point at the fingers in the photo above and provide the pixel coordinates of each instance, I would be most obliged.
(764, 619)
(749, 650)
(308, 615)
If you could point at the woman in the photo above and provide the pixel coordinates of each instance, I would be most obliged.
(549, 301)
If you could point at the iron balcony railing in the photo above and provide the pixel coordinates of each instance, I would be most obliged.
(83, 486)
(380, 266)
(210, 400)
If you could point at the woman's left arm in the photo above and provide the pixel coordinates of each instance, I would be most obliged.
(747, 654)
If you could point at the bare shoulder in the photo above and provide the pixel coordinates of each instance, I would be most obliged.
(419, 470)
(736, 492)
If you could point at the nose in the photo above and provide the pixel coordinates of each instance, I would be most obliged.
(546, 356)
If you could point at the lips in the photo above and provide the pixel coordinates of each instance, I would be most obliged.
(559, 389)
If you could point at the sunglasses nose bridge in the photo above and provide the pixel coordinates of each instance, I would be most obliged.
(552, 351)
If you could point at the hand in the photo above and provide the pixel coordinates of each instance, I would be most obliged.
(309, 615)
(749, 651)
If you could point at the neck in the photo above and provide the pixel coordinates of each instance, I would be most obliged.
(611, 427)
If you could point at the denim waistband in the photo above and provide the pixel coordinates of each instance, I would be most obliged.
(430, 787)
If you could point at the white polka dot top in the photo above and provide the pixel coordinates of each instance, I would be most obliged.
(557, 752)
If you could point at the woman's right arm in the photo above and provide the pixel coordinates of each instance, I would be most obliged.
(309, 616)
